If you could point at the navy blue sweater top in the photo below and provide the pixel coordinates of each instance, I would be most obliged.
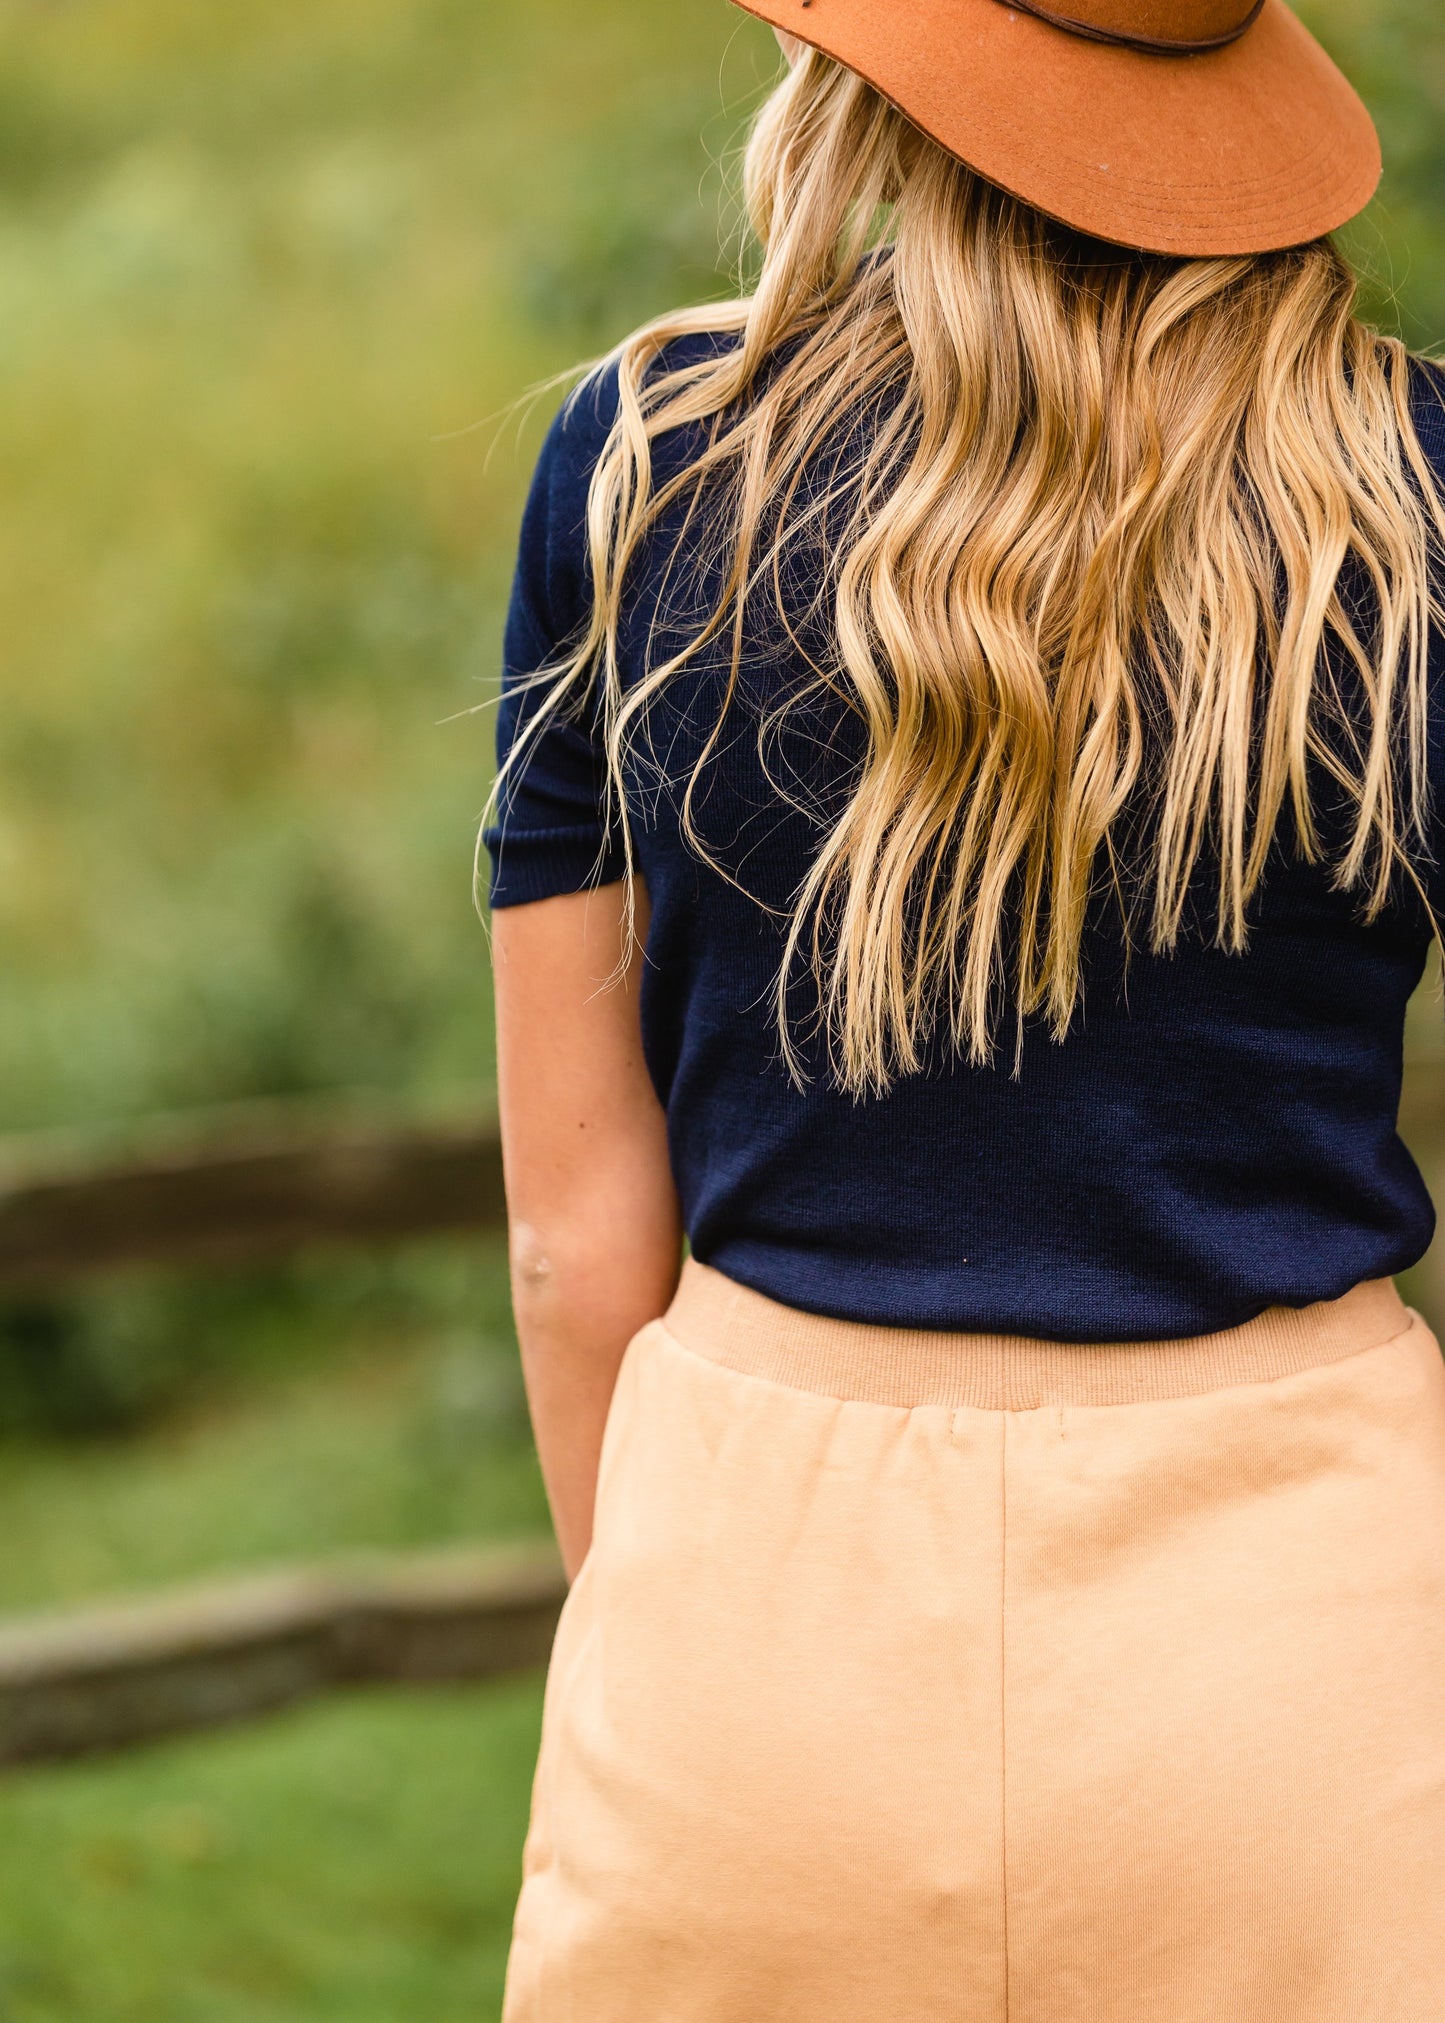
(1215, 1135)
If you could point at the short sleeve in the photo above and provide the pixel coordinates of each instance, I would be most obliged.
(549, 834)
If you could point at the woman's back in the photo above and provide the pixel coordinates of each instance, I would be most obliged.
(998, 679)
(970, 669)
(1215, 1134)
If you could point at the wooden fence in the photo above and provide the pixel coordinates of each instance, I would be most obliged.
(260, 1183)
(251, 1183)
(228, 1188)
(126, 1672)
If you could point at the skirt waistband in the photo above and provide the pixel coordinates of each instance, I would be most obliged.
(746, 1331)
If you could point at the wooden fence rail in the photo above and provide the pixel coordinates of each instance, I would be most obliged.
(125, 1672)
(258, 1184)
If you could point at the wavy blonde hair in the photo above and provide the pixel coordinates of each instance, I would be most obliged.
(1088, 547)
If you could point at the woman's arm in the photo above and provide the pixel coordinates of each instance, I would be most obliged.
(596, 1233)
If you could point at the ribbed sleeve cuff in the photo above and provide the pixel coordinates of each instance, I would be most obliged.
(530, 864)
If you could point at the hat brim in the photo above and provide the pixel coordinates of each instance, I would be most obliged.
(1245, 149)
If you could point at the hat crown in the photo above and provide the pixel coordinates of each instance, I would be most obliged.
(1110, 116)
(1181, 25)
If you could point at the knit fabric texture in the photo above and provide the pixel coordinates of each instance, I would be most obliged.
(1216, 1135)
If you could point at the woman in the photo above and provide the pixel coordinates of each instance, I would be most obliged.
(965, 841)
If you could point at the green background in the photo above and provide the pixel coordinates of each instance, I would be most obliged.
(273, 281)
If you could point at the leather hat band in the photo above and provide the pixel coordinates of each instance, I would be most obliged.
(1155, 45)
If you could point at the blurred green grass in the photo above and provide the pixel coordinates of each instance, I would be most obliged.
(401, 1428)
(356, 1860)
(353, 1863)
(269, 280)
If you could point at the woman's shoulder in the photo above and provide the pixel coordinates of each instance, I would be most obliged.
(552, 570)
(582, 424)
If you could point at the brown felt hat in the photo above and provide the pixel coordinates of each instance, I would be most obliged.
(1177, 126)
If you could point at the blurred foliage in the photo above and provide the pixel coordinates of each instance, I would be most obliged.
(384, 1411)
(1394, 50)
(103, 1358)
(269, 279)
(270, 283)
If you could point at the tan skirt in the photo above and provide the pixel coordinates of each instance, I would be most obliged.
(920, 1676)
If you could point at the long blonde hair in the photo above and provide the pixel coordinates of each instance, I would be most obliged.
(1091, 548)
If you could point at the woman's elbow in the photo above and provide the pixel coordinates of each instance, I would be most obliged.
(566, 1272)
(558, 1264)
